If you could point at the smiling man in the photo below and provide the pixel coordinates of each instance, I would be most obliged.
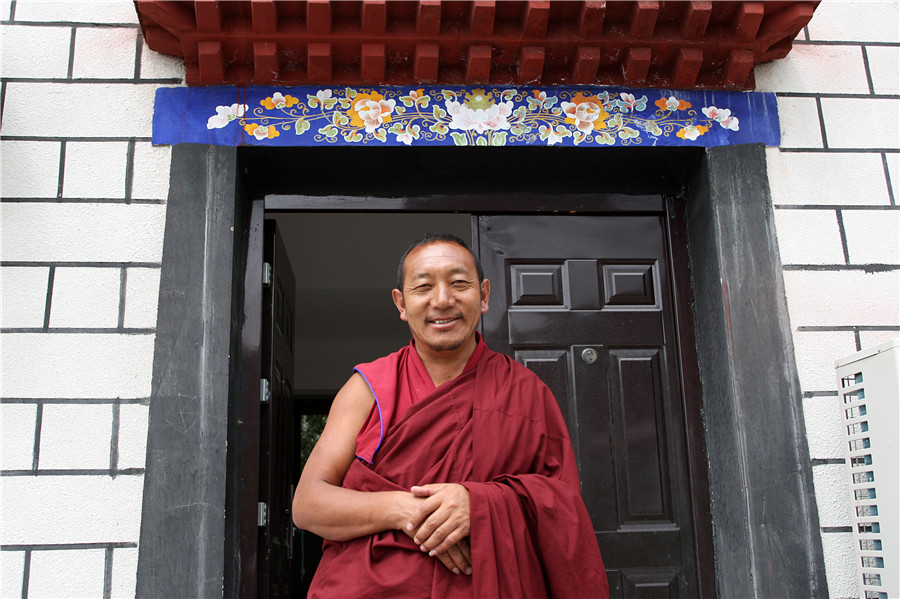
(445, 469)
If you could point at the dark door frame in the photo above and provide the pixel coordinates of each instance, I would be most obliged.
(752, 418)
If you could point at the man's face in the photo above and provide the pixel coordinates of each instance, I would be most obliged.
(442, 299)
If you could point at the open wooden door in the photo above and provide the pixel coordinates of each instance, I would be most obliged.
(586, 302)
(276, 421)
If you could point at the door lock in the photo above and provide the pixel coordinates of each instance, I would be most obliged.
(589, 356)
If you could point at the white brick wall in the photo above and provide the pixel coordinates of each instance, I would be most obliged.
(834, 187)
(82, 229)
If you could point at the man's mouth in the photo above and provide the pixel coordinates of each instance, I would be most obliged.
(443, 321)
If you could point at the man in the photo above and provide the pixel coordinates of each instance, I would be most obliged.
(445, 469)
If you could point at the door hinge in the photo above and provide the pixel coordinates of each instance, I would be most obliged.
(267, 274)
(265, 394)
(262, 514)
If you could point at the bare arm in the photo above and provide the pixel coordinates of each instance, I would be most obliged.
(320, 504)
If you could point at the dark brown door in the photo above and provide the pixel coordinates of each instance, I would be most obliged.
(586, 302)
(276, 438)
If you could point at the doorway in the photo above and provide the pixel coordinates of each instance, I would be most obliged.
(625, 415)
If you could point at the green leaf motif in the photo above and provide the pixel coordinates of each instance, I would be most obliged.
(380, 135)
(352, 136)
(439, 127)
(605, 139)
(350, 92)
(498, 139)
(459, 139)
(301, 126)
(507, 95)
(481, 141)
(448, 95)
(339, 118)
(345, 103)
(627, 133)
(520, 129)
(438, 112)
(396, 128)
(329, 131)
(519, 112)
(579, 137)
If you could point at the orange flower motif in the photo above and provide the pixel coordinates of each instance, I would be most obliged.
(261, 131)
(277, 100)
(370, 111)
(585, 112)
(672, 104)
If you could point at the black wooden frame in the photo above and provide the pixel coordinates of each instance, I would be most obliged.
(752, 418)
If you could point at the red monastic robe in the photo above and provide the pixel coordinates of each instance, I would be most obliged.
(497, 430)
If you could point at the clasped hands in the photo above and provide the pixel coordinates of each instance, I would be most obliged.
(440, 525)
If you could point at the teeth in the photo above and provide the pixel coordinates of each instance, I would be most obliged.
(445, 321)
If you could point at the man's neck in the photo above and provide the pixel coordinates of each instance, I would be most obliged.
(444, 366)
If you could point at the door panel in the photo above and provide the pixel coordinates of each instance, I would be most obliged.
(276, 480)
(585, 302)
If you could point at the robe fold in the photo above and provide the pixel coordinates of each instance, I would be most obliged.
(497, 430)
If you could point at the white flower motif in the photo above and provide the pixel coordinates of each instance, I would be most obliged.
(552, 137)
(279, 100)
(323, 94)
(373, 112)
(261, 132)
(584, 114)
(691, 132)
(716, 114)
(672, 103)
(731, 123)
(225, 114)
(480, 119)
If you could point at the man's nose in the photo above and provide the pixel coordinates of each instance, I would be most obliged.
(443, 295)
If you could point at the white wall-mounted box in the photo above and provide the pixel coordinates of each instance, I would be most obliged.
(869, 388)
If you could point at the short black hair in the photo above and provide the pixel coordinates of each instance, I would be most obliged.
(436, 237)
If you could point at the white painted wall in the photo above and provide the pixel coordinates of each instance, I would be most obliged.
(82, 230)
(835, 190)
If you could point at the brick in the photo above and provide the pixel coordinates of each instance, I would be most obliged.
(124, 572)
(840, 564)
(150, 178)
(160, 66)
(85, 298)
(35, 52)
(832, 178)
(95, 169)
(104, 53)
(17, 423)
(832, 494)
(141, 297)
(30, 168)
(809, 237)
(801, 71)
(873, 237)
(856, 21)
(815, 353)
(75, 437)
(71, 509)
(133, 423)
(82, 232)
(800, 126)
(861, 123)
(823, 427)
(68, 573)
(843, 297)
(24, 293)
(12, 569)
(82, 365)
(78, 110)
(78, 12)
(884, 65)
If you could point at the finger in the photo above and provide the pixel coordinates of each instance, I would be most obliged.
(424, 490)
(466, 550)
(448, 562)
(445, 543)
(420, 518)
(459, 558)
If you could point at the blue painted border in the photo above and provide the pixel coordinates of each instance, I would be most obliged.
(454, 115)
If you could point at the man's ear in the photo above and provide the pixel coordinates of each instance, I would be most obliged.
(485, 295)
(397, 295)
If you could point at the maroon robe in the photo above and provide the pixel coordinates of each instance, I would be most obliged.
(497, 430)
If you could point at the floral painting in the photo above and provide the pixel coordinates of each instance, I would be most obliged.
(480, 116)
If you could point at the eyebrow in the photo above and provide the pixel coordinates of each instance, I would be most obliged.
(427, 275)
